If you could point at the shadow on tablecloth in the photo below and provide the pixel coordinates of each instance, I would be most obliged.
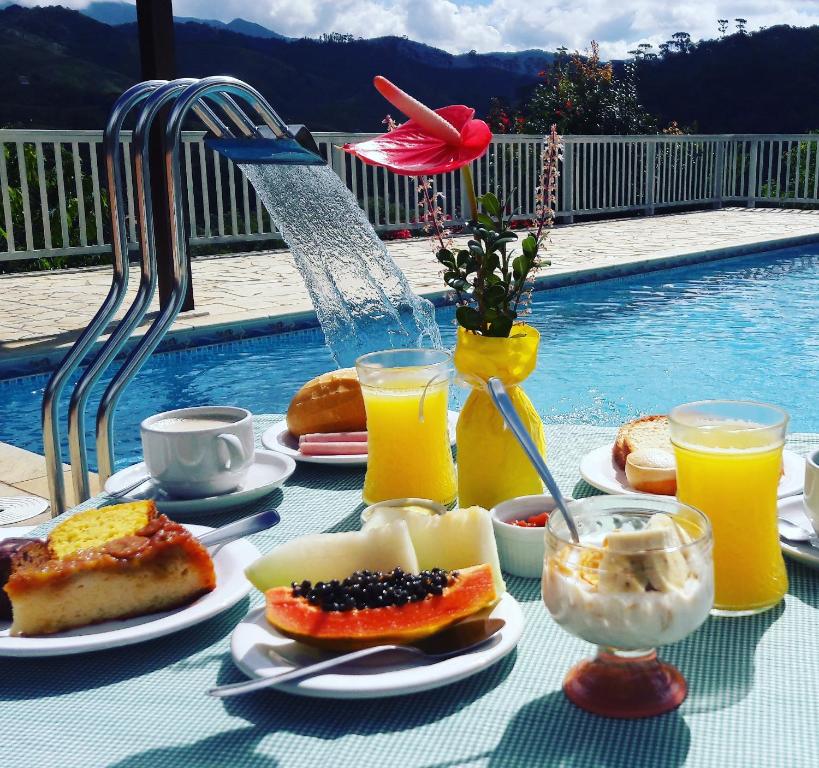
(40, 678)
(569, 737)
(328, 719)
(718, 660)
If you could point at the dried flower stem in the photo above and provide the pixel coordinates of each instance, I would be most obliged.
(546, 191)
(433, 216)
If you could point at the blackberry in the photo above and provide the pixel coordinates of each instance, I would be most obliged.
(369, 589)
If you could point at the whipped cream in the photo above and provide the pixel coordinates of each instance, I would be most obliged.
(630, 593)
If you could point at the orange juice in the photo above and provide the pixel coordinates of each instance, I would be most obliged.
(732, 475)
(405, 395)
(408, 444)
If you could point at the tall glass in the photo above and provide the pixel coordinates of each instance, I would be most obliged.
(406, 393)
(729, 461)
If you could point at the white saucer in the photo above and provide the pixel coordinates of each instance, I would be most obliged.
(599, 470)
(278, 438)
(13, 509)
(231, 586)
(793, 509)
(391, 675)
(268, 471)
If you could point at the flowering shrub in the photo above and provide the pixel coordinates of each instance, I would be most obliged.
(583, 95)
(397, 234)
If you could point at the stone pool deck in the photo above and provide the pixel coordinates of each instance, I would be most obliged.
(42, 313)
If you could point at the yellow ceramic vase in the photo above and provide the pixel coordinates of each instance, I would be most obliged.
(492, 466)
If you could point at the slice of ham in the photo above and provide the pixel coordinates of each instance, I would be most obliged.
(334, 437)
(333, 449)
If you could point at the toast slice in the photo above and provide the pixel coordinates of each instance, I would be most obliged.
(646, 432)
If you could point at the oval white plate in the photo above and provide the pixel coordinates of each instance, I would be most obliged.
(599, 470)
(392, 675)
(793, 509)
(278, 438)
(231, 586)
(269, 470)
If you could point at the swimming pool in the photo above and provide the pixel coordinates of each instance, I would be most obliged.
(737, 328)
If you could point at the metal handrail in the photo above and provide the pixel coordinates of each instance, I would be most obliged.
(136, 312)
(147, 285)
(134, 361)
(191, 98)
(119, 285)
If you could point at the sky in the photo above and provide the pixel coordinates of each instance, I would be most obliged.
(501, 25)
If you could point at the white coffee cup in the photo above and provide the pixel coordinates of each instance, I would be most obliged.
(196, 452)
(812, 488)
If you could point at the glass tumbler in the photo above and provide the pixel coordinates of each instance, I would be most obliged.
(729, 462)
(406, 395)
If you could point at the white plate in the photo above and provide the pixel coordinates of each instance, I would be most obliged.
(279, 438)
(599, 470)
(392, 675)
(231, 586)
(268, 471)
(16, 531)
(793, 509)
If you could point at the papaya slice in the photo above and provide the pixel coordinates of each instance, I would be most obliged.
(468, 591)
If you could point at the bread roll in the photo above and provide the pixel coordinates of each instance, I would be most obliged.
(652, 470)
(331, 402)
(645, 432)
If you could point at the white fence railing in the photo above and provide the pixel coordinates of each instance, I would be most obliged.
(59, 205)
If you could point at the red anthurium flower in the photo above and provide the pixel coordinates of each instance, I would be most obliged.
(430, 142)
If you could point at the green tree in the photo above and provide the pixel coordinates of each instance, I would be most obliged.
(682, 41)
(580, 94)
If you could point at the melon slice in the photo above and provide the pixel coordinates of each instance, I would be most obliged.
(454, 540)
(470, 591)
(326, 556)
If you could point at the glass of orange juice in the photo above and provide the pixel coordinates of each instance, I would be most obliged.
(406, 393)
(729, 461)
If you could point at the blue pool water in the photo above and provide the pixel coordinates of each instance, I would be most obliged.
(739, 328)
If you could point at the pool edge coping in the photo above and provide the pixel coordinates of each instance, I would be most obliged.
(31, 364)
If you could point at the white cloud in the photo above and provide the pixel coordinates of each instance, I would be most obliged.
(493, 25)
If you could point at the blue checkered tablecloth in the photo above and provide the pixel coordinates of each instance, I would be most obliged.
(753, 700)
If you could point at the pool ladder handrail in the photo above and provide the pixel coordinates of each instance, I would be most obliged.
(112, 151)
(188, 95)
(147, 284)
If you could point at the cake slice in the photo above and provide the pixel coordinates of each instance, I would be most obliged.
(646, 432)
(95, 527)
(17, 553)
(159, 567)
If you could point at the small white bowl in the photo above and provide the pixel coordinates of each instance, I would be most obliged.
(432, 506)
(521, 549)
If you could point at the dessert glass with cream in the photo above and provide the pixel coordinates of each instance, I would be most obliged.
(641, 576)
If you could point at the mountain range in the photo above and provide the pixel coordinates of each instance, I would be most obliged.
(64, 69)
(115, 13)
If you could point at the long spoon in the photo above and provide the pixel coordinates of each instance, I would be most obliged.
(502, 402)
(461, 637)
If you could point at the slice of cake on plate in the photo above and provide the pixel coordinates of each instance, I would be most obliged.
(105, 564)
